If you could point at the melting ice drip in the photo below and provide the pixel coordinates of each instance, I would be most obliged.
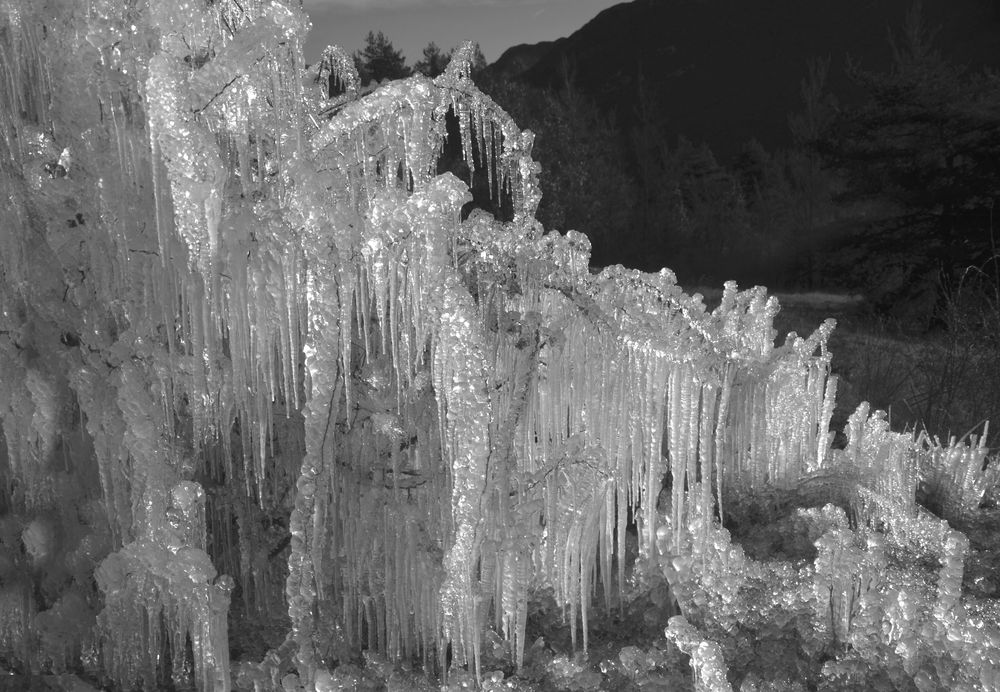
(482, 415)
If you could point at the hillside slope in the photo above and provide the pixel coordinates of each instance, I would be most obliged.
(725, 71)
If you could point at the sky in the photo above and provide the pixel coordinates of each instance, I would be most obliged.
(412, 24)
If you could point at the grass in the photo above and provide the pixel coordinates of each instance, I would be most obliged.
(945, 382)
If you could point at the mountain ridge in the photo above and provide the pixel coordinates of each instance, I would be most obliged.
(725, 72)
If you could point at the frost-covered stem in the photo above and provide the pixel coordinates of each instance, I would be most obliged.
(107, 428)
(949, 590)
(500, 461)
(954, 474)
(707, 662)
(152, 471)
(16, 411)
(307, 540)
(460, 375)
(321, 411)
(834, 582)
(300, 588)
(176, 95)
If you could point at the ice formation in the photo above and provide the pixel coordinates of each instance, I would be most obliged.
(227, 296)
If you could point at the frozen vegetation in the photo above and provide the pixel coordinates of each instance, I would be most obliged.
(246, 327)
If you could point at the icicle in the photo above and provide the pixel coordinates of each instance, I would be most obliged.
(691, 402)
(464, 115)
(191, 155)
(718, 440)
(339, 65)
(607, 545)
(653, 395)
(705, 457)
(677, 461)
(490, 158)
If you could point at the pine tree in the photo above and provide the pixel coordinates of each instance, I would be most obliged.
(433, 62)
(379, 60)
(925, 148)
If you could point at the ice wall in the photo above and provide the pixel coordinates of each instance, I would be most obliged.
(228, 299)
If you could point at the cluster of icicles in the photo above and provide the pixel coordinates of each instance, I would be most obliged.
(483, 416)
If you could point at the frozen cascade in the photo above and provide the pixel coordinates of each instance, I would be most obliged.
(161, 597)
(269, 344)
(956, 475)
(706, 656)
(339, 65)
(841, 592)
(107, 428)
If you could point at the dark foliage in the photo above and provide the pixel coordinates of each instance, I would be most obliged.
(923, 153)
(585, 184)
(380, 60)
(435, 60)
